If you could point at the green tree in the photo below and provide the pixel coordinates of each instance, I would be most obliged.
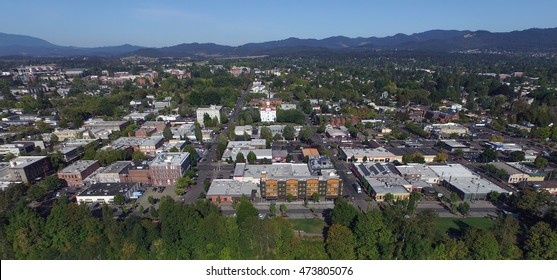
(481, 244)
(197, 131)
(530, 201)
(306, 134)
(315, 197)
(266, 134)
(540, 162)
(441, 157)
(463, 208)
(54, 139)
(151, 200)
(282, 209)
(374, 240)
(517, 156)
(273, 209)
(488, 155)
(244, 210)
(289, 198)
(506, 232)
(541, 243)
(252, 157)
(389, 197)
(137, 155)
(364, 159)
(343, 213)
(340, 243)
(454, 197)
(193, 153)
(289, 133)
(240, 158)
(406, 158)
(222, 142)
(167, 133)
(119, 199)
(289, 157)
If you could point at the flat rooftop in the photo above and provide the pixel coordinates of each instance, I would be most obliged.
(230, 187)
(164, 159)
(423, 170)
(376, 169)
(475, 186)
(117, 167)
(78, 166)
(24, 161)
(381, 186)
(377, 152)
(107, 189)
(452, 170)
(277, 171)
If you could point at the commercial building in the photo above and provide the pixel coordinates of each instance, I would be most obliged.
(418, 171)
(319, 165)
(380, 179)
(16, 148)
(453, 146)
(499, 146)
(70, 134)
(213, 112)
(29, 169)
(167, 168)
(257, 146)
(242, 130)
(228, 190)
(279, 180)
(468, 185)
(518, 172)
(371, 155)
(95, 124)
(147, 145)
(105, 192)
(549, 186)
(137, 172)
(74, 174)
(113, 172)
(445, 130)
(427, 153)
(514, 175)
(149, 128)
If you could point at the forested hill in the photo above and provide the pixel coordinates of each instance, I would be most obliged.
(439, 40)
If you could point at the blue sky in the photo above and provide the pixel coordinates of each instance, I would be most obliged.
(156, 23)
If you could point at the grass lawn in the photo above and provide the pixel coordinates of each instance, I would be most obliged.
(308, 225)
(446, 224)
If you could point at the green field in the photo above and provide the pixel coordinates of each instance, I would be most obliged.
(308, 225)
(445, 224)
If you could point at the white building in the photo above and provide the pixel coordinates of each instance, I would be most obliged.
(213, 111)
(268, 113)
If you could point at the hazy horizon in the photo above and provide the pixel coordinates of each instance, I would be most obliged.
(168, 23)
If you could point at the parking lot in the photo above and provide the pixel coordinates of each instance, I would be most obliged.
(157, 195)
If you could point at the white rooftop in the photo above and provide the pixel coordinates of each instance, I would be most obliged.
(230, 187)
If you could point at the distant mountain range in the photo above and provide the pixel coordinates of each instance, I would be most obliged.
(438, 40)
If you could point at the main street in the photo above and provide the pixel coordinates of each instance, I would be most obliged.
(209, 166)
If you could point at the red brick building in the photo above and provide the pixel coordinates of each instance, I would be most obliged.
(74, 174)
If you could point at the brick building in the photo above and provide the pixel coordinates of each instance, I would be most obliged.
(167, 168)
(74, 174)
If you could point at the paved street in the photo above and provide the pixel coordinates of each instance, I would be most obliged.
(210, 167)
